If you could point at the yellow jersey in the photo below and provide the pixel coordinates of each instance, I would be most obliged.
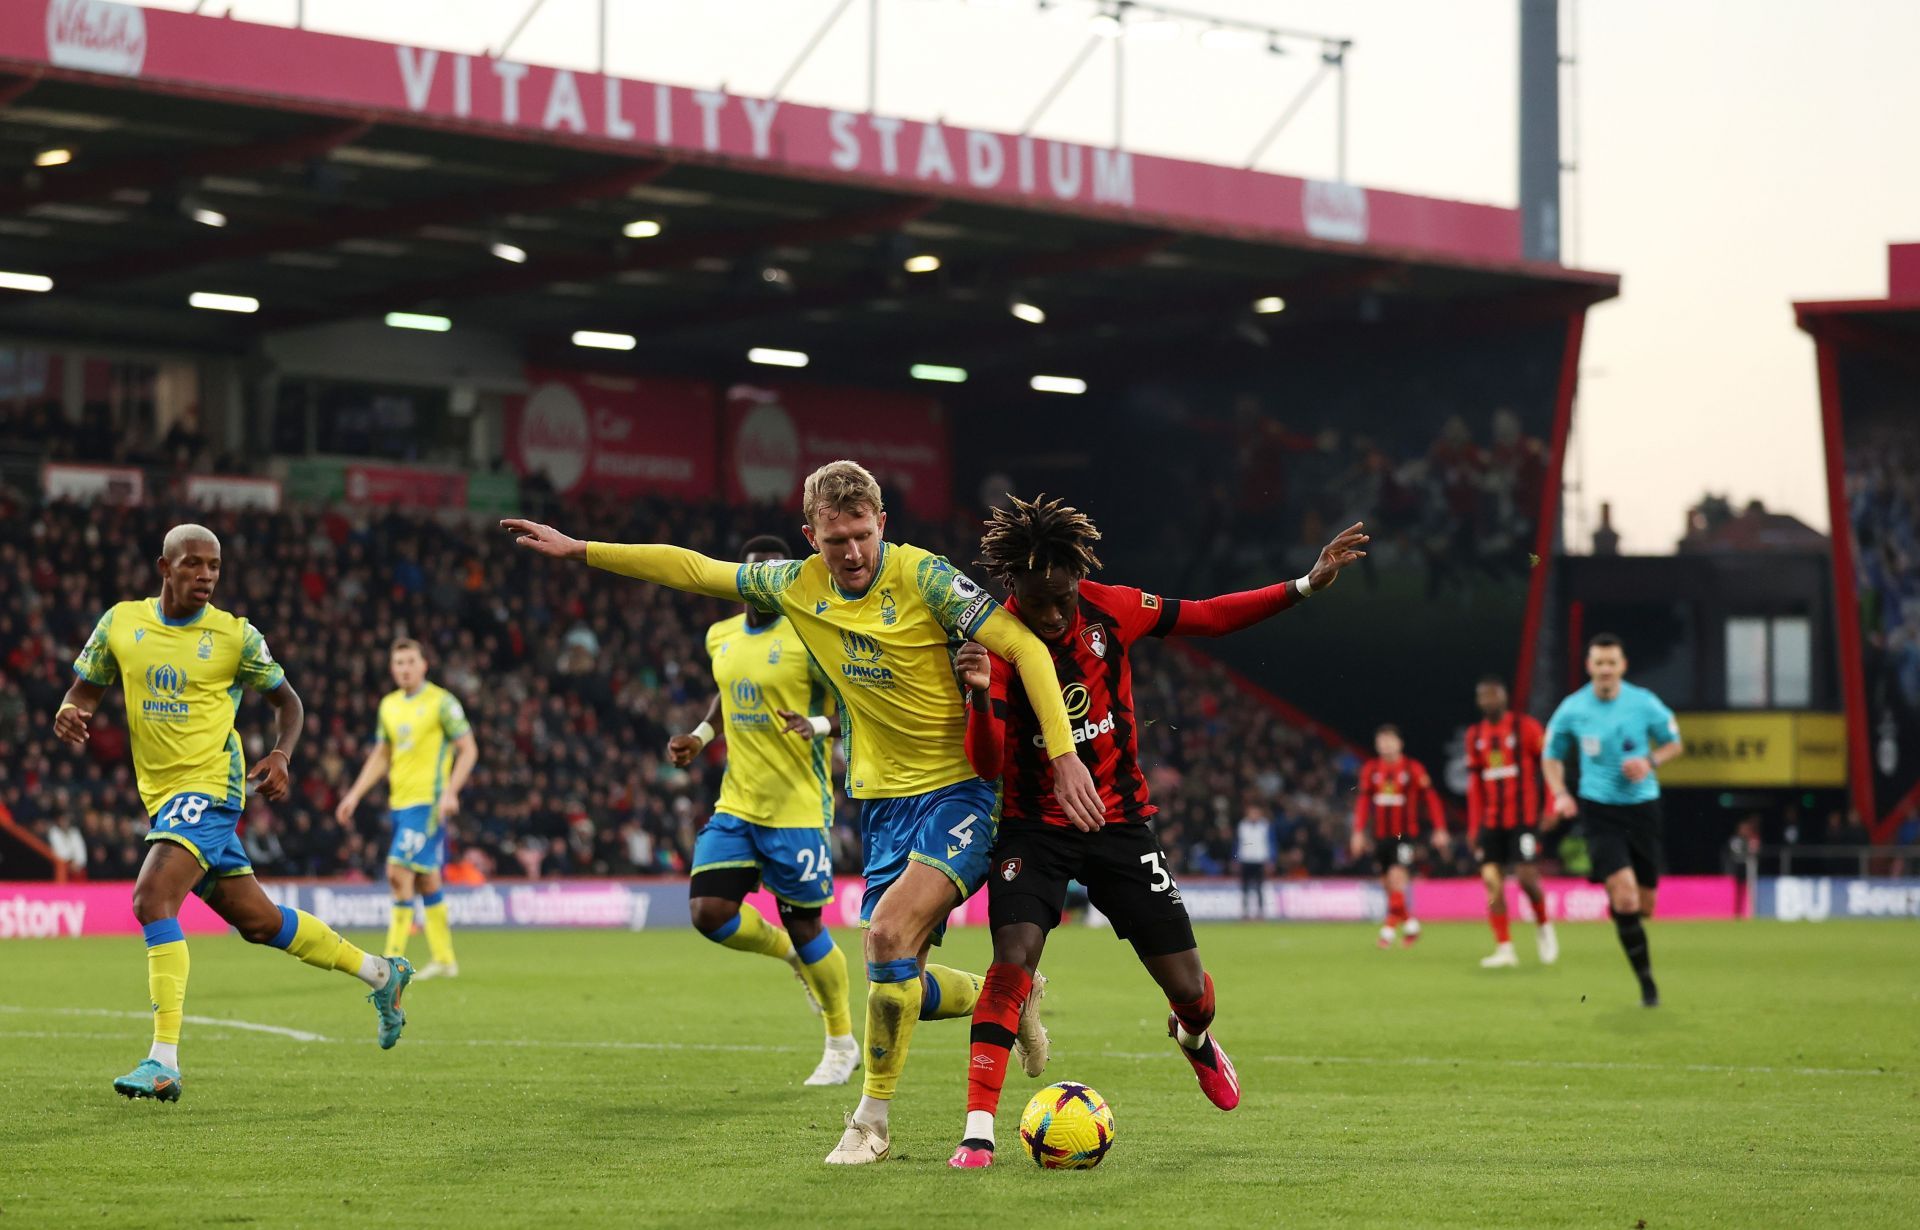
(773, 778)
(886, 652)
(887, 655)
(182, 683)
(419, 731)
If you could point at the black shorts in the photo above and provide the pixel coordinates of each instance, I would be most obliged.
(1624, 835)
(1508, 847)
(1122, 866)
(1391, 852)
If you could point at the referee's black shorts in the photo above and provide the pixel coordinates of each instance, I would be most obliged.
(1624, 835)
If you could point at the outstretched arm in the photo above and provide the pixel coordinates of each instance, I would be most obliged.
(986, 729)
(289, 716)
(674, 567)
(372, 771)
(1232, 612)
(681, 749)
(76, 709)
(1072, 783)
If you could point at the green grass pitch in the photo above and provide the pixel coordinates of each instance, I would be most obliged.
(653, 1079)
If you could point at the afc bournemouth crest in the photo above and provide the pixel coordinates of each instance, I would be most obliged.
(1010, 869)
(1096, 637)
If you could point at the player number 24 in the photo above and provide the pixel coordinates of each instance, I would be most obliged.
(814, 864)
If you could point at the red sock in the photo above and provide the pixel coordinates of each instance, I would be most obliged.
(1538, 900)
(1196, 1016)
(996, 1015)
(1396, 908)
(1501, 932)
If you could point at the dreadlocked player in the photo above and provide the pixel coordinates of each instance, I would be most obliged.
(1042, 552)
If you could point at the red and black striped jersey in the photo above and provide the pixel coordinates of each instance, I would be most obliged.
(1503, 773)
(1096, 681)
(1392, 795)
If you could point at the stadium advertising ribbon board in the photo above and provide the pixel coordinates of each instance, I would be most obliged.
(186, 52)
(778, 434)
(615, 435)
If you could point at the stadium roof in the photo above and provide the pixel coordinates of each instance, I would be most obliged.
(349, 179)
(1895, 318)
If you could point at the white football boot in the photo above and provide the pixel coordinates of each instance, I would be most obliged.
(860, 1144)
(1502, 958)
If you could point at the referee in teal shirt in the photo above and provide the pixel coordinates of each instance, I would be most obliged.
(1622, 735)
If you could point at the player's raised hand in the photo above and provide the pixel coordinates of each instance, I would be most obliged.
(1073, 787)
(271, 774)
(544, 539)
(1343, 550)
(794, 723)
(972, 667)
(681, 749)
(70, 724)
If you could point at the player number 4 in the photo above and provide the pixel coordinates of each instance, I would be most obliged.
(963, 831)
(1161, 880)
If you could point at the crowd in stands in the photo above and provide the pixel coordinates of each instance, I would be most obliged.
(575, 680)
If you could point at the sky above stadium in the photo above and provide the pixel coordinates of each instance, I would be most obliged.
(1735, 155)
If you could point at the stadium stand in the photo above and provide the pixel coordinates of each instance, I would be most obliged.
(575, 679)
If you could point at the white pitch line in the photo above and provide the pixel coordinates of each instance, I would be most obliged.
(614, 1044)
(298, 1035)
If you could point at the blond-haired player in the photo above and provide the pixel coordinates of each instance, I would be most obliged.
(424, 746)
(878, 617)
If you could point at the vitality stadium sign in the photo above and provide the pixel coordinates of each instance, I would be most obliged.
(161, 51)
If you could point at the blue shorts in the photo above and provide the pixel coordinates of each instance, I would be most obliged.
(419, 839)
(795, 864)
(950, 829)
(209, 829)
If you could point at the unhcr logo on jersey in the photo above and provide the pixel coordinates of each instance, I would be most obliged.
(746, 694)
(166, 684)
(863, 664)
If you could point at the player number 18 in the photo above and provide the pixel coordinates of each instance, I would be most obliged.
(185, 809)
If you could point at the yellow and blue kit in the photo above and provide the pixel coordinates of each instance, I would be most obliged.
(419, 729)
(183, 681)
(886, 654)
(776, 799)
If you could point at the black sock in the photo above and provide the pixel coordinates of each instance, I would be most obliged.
(1633, 941)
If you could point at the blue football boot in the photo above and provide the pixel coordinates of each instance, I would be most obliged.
(387, 1001)
(152, 1079)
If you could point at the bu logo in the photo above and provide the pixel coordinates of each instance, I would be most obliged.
(166, 682)
(1096, 638)
(746, 694)
(860, 647)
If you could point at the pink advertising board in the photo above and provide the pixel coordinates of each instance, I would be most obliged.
(45, 911)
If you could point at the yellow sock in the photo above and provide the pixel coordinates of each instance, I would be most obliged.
(399, 929)
(826, 977)
(948, 993)
(167, 985)
(439, 933)
(893, 1009)
(320, 945)
(749, 931)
